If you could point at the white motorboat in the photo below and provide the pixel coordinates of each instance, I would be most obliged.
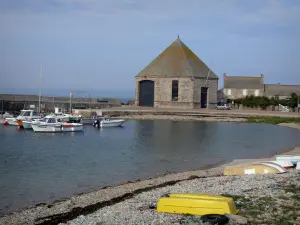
(111, 123)
(54, 124)
(26, 124)
(5, 116)
(11, 121)
(24, 115)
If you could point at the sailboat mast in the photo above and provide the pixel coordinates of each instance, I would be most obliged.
(40, 92)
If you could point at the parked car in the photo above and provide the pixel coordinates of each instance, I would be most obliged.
(223, 106)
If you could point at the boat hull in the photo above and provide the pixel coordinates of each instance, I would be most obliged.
(57, 128)
(12, 121)
(196, 204)
(26, 125)
(254, 168)
(292, 158)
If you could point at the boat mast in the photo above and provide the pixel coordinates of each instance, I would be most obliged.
(71, 102)
(40, 92)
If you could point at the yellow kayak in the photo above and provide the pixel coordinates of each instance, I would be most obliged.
(196, 204)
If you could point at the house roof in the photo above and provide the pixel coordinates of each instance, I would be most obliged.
(281, 90)
(241, 82)
(178, 60)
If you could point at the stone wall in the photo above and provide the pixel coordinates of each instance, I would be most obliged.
(212, 92)
(189, 91)
(238, 93)
(163, 92)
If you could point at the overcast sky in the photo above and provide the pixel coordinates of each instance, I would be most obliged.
(101, 45)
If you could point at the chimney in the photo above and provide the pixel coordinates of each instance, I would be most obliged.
(262, 78)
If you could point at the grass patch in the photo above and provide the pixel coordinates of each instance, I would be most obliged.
(292, 188)
(272, 119)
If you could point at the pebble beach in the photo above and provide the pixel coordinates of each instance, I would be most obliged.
(250, 187)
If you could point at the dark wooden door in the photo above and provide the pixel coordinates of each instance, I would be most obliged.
(146, 90)
(204, 97)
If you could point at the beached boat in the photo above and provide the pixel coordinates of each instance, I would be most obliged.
(196, 204)
(284, 163)
(54, 124)
(292, 158)
(255, 168)
(298, 166)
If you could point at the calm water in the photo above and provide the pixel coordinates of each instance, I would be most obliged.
(37, 168)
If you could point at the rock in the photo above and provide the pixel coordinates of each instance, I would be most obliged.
(237, 218)
(282, 192)
(289, 194)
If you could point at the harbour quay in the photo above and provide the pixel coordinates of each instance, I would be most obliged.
(16, 102)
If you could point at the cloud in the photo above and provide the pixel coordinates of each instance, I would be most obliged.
(83, 36)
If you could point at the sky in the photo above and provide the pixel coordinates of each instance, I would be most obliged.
(99, 46)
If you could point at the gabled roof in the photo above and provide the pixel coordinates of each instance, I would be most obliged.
(281, 90)
(178, 60)
(241, 82)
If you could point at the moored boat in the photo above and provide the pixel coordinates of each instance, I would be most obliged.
(11, 121)
(111, 123)
(53, 124)
(24, 115)
(26, 124)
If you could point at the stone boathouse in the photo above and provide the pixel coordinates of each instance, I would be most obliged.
(177, 78)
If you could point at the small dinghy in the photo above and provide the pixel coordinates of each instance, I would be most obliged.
(255, 168)
(54, 124)
(196, 204)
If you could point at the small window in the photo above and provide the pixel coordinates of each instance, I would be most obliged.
(229, 92)
(51, 120)
(256, 93)
(174, 90)
(245, 92)
(27, 113)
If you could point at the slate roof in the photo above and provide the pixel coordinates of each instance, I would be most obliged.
(281, 90)
(178, 60)
(241, 82)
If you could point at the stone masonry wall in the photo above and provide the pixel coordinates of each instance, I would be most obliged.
(238, 93)
(163, 92)
(212, 92)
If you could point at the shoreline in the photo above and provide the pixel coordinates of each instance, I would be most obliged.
(64, 210)
(181, 118)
